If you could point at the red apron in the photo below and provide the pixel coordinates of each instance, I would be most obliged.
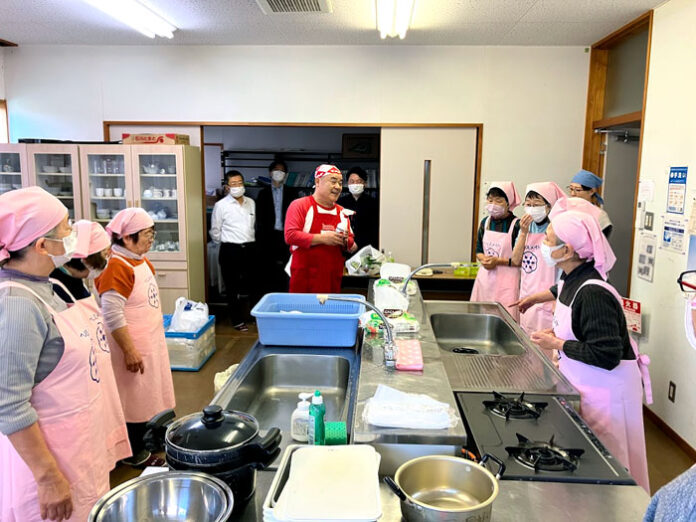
(75, 408)
(502, 284)
(319, 269)
(611, 401)
(536, 276)
(143, 395)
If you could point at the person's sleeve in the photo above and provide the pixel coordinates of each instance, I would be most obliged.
(479, 238)
(117, 277)
(554, 291)
(23, 330)
(515, 232)
(597, 326)
(113, 309)
(607, 231)
(294, 223)
(216, 224)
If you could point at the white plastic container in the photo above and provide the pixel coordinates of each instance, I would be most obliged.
(299, 421)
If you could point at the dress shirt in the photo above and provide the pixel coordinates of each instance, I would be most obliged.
(233, 222)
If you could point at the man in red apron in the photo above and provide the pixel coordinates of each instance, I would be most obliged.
(135, 332)
(597, 354)
(318, 232)
(57, 466)
(499, 279)
(535, 275)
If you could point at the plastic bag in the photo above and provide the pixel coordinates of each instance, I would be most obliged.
(366, 261)
(222, 377)
(188, 316)
(388, 298)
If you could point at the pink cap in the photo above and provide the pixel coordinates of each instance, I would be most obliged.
(323, 170)
(510, 191)
(26, 215)
(129, 221)
(574, 221)
(549, 190)
(91, 238)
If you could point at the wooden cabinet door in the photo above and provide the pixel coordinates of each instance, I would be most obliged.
(14, 169)
(106, 181)
(56, 168)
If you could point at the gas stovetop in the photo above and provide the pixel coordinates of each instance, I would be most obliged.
(538, 437)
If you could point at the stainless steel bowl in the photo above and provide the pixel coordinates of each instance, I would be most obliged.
(174, 496)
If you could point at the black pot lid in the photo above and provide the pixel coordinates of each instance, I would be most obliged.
(212, 429)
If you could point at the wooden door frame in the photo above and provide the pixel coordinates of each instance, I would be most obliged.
(107, 124)
(592, 160)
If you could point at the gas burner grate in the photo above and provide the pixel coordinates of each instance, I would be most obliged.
(544, 456)
(514, 407)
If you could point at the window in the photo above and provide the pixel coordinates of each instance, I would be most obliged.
(4, 127)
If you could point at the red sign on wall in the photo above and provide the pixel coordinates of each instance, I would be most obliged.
(632, 312)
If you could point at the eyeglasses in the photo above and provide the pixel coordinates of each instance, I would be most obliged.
(574, 190)
(687, 281)
(150, 234)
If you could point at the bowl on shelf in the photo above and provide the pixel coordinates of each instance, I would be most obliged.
(65, 170)
(49, 169)
(103, 213)
(99, 192)
(17, 186)
(150, 169)
(55, 190)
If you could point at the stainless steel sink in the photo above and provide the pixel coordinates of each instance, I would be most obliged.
(269, 391)
(473, 334)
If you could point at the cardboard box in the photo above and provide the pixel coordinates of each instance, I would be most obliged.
(156, 139)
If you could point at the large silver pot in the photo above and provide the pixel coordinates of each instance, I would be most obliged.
(443, 488)
(174, 496)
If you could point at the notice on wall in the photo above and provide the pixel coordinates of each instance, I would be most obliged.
(646, 256)
(631, 310)
(691, 256)
(674, 235)
(646, 190)
(676, 190)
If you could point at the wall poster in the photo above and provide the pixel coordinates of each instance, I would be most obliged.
(676, 190)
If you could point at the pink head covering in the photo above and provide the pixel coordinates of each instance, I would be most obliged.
(574, 221)
(550, 191)
(26, 215)
(91, 238)
(510, 191)
(323, 170)
(129, 221)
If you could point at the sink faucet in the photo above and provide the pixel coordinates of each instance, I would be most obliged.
(390, 349)
(427, 265)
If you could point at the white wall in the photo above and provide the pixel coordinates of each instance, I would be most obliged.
(531, 100)
(669, 138)
(2, 74)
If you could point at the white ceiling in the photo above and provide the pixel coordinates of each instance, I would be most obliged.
(241, 22)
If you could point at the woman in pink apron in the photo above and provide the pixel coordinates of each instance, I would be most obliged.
(135, 331)
(498, 279)
(535, 275)
(58, 466)
(597, 355)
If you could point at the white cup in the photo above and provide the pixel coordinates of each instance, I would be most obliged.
(147, 193)
(157, 193)
(118, 192)
(166, 193)
(99, 192)
(108, 193)
(173, 193)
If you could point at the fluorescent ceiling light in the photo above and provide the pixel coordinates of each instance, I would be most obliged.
(136, 15)
(393, 17)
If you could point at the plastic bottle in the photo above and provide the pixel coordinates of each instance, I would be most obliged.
(299, 422)
(317, 410)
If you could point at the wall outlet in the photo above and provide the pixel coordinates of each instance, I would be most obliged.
(671, 391)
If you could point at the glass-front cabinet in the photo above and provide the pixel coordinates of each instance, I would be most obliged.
(106, 185)
(160, 191)
(14, 172)
(55, 168)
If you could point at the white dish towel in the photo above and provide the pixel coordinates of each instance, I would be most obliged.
(391, 408)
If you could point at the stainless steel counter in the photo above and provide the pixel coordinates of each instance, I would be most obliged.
(517, 501)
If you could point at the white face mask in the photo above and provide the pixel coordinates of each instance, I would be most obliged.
(546, 254)
(236, 192)
(69, 244)
(277, 176)
(356, 188)
(538, 213)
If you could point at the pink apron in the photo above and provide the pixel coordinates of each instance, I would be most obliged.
(611, 401)
(143, 395)
(73, 404)
(502, 284)
(536, 276)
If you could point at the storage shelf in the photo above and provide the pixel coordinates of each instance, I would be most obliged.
(158, 175)
(109, 197)
(166, 220)
(65, 174)
(159, 199)
(10, 173)
(108, 175)
(66, 197)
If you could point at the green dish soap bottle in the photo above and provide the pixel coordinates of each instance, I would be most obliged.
(317, 410)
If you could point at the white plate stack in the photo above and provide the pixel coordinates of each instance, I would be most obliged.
(329, 483)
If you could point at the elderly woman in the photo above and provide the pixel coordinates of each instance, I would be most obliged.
(597, 355)
(133, 316)
(59, 416)
(585, 185)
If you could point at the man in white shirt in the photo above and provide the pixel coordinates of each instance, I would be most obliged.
(232, 226)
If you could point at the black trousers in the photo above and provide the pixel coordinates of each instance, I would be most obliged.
(238, 264)
(136, 432)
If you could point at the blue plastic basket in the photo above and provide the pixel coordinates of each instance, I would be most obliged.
(333, 324)
(167, 318)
